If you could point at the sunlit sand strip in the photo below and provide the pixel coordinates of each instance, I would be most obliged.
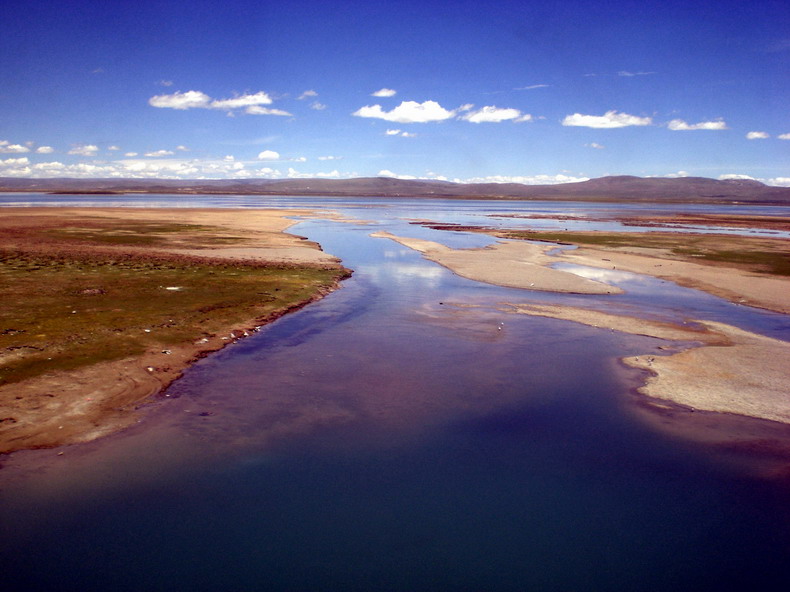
(735, 371)
(516, 264)
(769, 292)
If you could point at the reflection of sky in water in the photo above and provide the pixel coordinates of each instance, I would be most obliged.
(389, 437)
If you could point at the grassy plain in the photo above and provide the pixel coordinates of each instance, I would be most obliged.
(83, 292)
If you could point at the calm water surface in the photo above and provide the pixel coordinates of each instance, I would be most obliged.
(405, 433)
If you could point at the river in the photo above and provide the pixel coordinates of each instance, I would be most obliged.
(405, 433)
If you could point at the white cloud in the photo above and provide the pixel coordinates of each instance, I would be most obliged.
(757, 136)
(191, 99)
(182, 148)
(45, 150)
(384, 92)
(392, 132)
(491, 114)
(631, 74)
(13, 148)
(299, 159)
(165, 82)
(257, 110)
(305, 94)
(784, 136)
(131, 154)
(389, 173)
(330, 157)
(610, 119)
(525, 180)
(84, 150)
(317, 106)
(778, 181)
(15, 161)
(595, 145)
(680, 125)
(408, 135)
(246, 100)
(268, 155)
(408, 112)
(732, 176)
(113, 148)
(159, 153)
(194, 99)
(532, 87)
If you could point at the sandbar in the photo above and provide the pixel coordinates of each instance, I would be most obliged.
(512, 264)
(725, 369)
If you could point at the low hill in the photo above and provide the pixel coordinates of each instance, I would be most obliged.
(620, 188)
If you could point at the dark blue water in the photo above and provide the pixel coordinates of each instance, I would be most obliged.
(406, 433)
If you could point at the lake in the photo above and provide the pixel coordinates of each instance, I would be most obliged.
(405, 433)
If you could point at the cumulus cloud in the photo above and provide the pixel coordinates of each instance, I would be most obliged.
(130, 154)
(525, 180)
(389, 173)
(680, 125)
(492, 114)
(294, 174)
(317, 106)
(268, 155)
(330, 157)
(191, 99)
(15, 161)
(247, 100)
(610, 119)
(159, 153)
(257, 110)
(84, 150)
(195, 99)
(392, 132)
(384, 92)
(784, 136)
(182, 148)
(8, 148)
(45, 150)
(113, 148)
(407, 112)
(306, 94)
(757, 136)
(595, 145)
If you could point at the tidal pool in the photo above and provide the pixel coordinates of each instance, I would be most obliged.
(405, 433)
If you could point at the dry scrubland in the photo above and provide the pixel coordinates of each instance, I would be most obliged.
(102, 308)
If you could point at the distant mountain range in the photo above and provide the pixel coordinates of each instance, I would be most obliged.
(621, 188)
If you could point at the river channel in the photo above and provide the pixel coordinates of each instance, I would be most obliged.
(408, 433)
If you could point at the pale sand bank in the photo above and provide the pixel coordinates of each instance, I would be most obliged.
(513, 264)
(733, 371)
(763, 291)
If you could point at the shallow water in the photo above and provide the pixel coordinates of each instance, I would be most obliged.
(405, 433)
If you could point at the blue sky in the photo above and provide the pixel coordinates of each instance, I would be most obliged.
(533, 92)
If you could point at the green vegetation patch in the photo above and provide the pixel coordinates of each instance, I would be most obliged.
(137, 233)
(67, 311)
